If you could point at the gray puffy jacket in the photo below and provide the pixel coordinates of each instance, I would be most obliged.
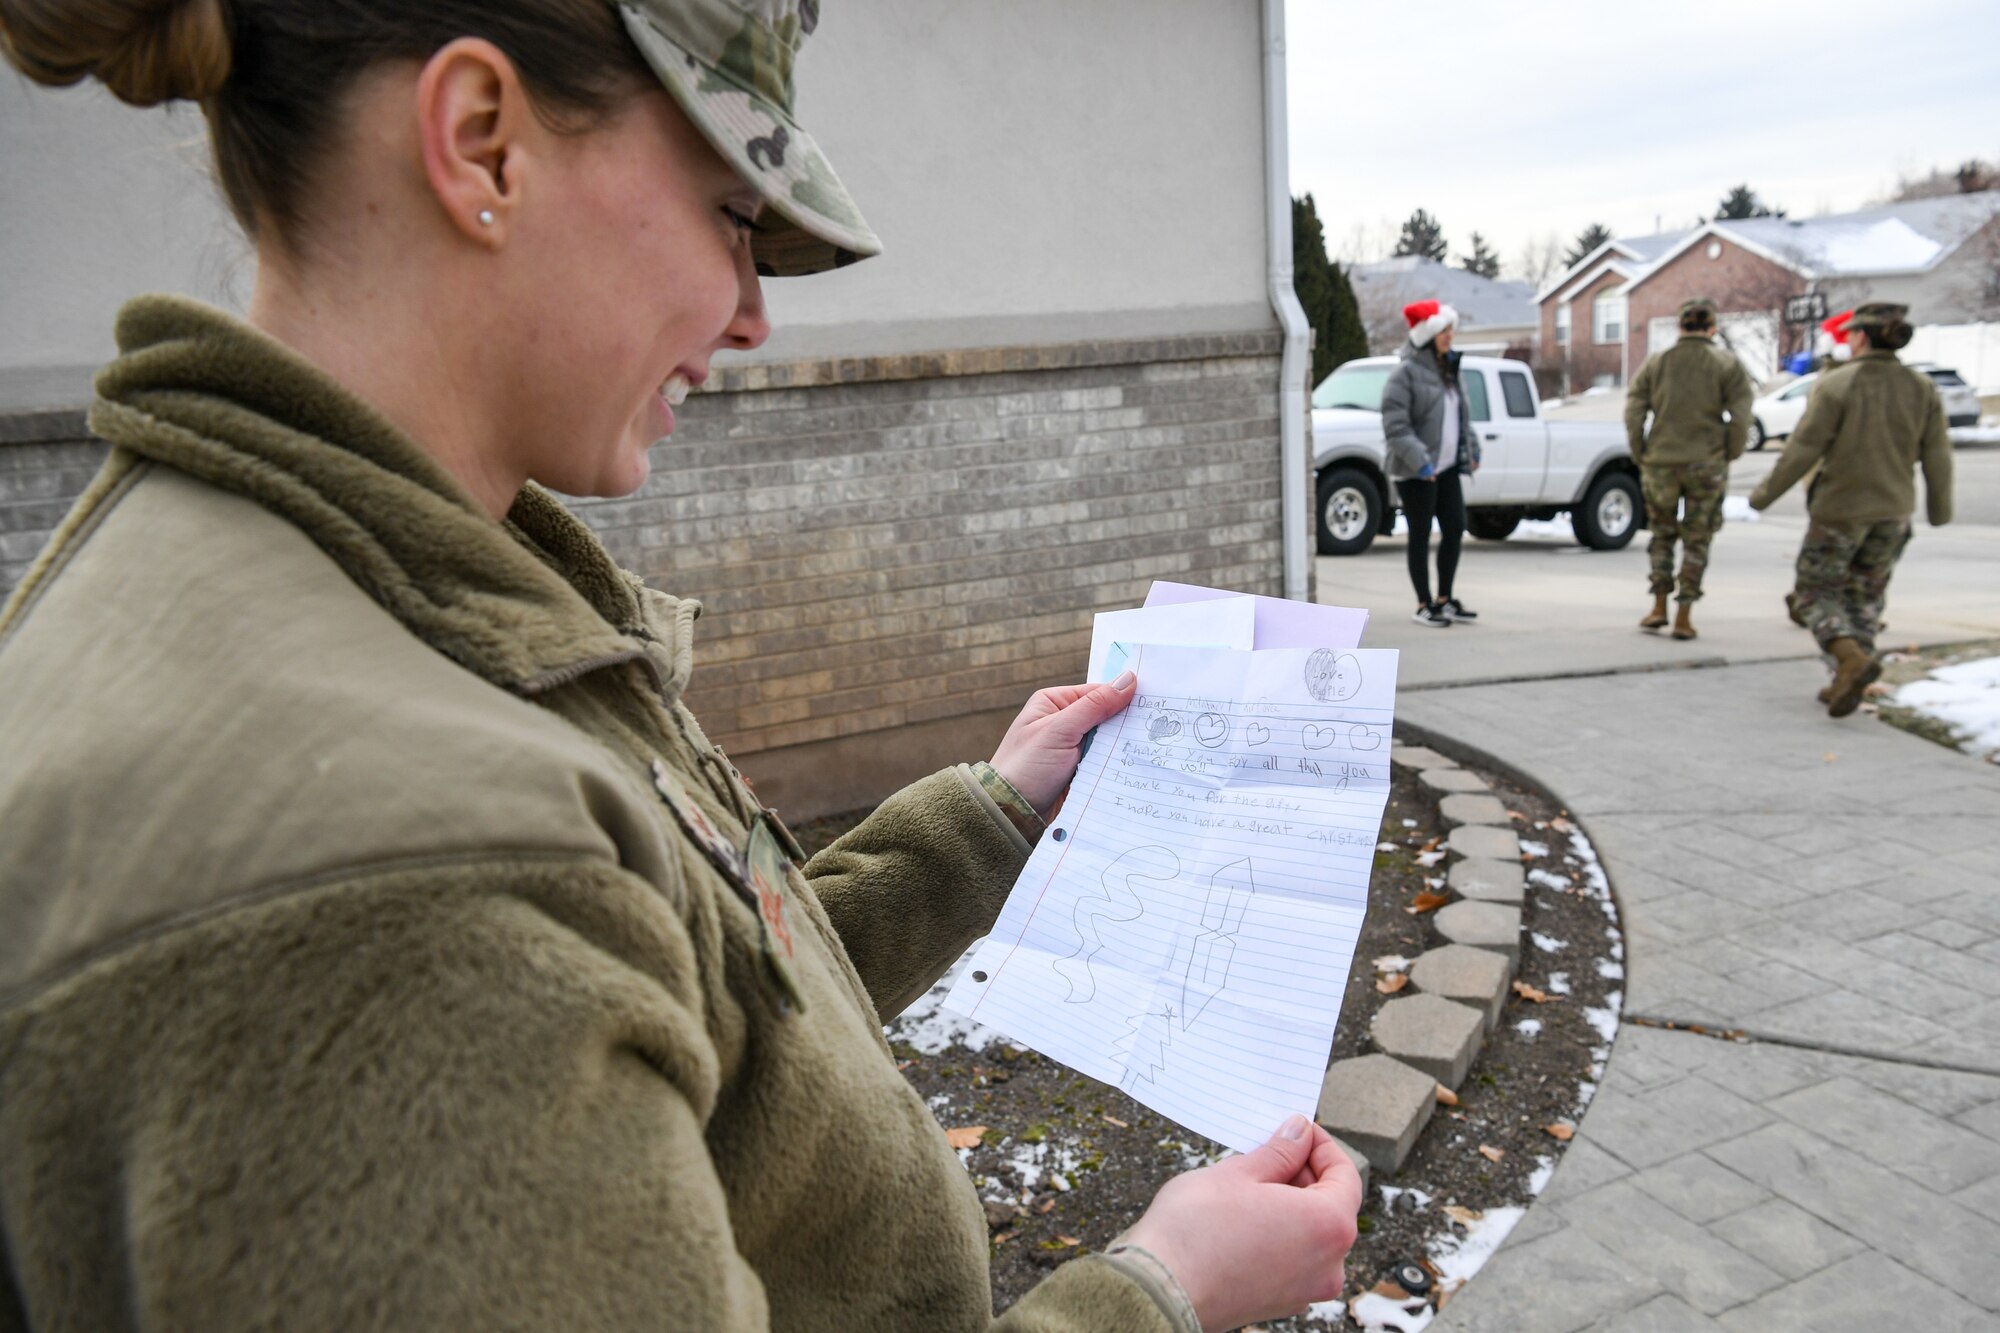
(1413, 415)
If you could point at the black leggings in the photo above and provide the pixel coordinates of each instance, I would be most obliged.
(1443, 500)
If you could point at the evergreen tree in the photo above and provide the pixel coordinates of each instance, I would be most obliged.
(1421, 235)
(1742, 202)
(1482, 260)
(1586, 240)
(1324, 293)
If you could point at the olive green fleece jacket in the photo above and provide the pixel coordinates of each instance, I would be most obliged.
(1687, 388)
(1869, 425)
(353, 973)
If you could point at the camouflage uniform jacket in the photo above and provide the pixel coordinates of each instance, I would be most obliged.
(1869, 425)
(1687, 388)
(383, 945)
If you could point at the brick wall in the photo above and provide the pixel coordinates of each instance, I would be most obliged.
(893, 553)
(1736, 280)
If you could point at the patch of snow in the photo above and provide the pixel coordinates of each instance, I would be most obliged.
(1459, 1257)
(1558, 983)
(1529, 1028)
(1534, 848)
(1392, 962)
(1965, 697)
(1605, 1020)
(1548, 879)
(1380, 1314)
(1388, 847)
(1609, 970)
(1429, 859)
(1334, 1312)
(1585, 1091)
(1547, 943)
(1538, 1180)
(929, 1028)
(1736, 509)
(1418, 1199)
(1409, 823)
(1883, 246)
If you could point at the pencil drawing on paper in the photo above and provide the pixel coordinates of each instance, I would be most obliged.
(1119, 901)
(1143, 1053)
(1229, 892)
(1333, 678)
(1211, 729)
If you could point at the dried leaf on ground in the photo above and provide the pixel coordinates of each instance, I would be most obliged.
(1829, 756)
(1446, 1097)
(1491, 1153)
(1559, 824)
(1432, 845)
(965, 1136)
(1527, 992)
(1004, 1237)
(1465, 1217)
(1114, 1120)
(1392, 983)
(1427, 902)
(1560, 1132)
(1516, 814)
(1069, 1240)
(901, 1065)
(1047, 1204)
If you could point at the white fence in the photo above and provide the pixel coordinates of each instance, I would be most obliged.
(1973, 350)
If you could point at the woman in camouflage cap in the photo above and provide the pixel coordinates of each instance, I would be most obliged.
(382, 943)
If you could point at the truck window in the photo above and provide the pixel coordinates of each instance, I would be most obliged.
(1353, 386)
(1520, 398)
(1475, 393)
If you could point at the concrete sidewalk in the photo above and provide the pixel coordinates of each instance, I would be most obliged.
(1831, 889)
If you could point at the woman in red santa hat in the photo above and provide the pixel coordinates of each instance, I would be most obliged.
(1431, 447)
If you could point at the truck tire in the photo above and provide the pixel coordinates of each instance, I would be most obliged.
(1607, 518)
(1349, 509)
(1492, 524)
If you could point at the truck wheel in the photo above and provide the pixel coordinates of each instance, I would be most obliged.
(1350, 511)
(1492, 525)
(1608, 516)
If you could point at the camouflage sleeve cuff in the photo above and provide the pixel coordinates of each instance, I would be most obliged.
(1158, 1281)
(1009, 804)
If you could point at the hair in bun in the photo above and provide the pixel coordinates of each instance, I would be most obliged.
(145, 51)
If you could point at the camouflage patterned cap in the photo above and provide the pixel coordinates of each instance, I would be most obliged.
(728, 63)
(1701, 303)
(1879, 315)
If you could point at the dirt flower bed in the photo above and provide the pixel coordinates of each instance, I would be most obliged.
(1064, 1163)
(1904, 666)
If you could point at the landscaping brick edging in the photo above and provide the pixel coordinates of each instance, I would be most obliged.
(1378, 1104)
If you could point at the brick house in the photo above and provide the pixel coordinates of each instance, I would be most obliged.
(1604, 315)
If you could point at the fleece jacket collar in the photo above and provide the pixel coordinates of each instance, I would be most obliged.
(530, 604)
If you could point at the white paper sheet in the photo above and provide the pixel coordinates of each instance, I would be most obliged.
(1185, 927)
(1229, 622)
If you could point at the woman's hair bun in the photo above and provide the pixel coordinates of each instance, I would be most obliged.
(145, 51)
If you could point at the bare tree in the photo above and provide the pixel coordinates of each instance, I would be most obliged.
(1968, 177)
(1540, 260)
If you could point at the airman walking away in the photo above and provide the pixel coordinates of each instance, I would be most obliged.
(1699, 398)
(1869, 425)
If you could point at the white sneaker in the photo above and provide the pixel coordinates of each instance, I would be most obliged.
(1454, 610)
(1433, 615)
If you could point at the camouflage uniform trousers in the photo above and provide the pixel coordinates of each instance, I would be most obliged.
(1843, 581)
(1670, 487)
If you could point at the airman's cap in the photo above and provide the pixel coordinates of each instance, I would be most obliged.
(1879, 315)
(728, 63)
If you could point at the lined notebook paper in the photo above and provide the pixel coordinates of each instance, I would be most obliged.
(1185, 927)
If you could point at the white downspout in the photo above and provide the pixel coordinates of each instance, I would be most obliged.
(1297, 361)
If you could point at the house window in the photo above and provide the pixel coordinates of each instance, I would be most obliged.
(1607, 319)
(1562, 324)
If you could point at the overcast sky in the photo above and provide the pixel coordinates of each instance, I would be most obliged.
(1534, 115)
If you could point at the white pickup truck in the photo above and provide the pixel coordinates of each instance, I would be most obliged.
(1530, 467)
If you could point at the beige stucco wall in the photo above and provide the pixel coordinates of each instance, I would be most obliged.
(1041, 171)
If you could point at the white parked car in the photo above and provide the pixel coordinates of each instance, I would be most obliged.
(1776, 414)
(1530, 467)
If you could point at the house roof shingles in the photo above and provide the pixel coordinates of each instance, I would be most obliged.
(1480, 302)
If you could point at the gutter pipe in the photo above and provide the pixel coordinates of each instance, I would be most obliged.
(1297, 360)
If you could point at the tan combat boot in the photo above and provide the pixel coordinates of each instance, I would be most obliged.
(1854, 671)
(1657, 619)
(1683, 626)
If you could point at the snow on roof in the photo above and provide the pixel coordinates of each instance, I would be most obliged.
(1893, 238)
(1479, 301)
(1649, 248)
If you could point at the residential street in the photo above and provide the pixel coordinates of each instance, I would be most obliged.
(1829, 888)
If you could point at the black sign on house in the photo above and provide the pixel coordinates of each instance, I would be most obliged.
(1807, 309)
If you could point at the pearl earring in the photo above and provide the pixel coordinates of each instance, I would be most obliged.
(485, 217)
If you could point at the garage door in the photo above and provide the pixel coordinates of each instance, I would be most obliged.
(1754, 339)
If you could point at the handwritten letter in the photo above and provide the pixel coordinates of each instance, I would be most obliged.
(1185, 928)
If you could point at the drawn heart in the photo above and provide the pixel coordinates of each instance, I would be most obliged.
(1318, 737)
(1211, 729)
(1164, 727)
(1363, 737)
(1256, 733)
